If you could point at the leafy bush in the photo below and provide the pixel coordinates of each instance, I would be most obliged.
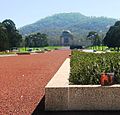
(47, 49)
(86, 68)
(23, 53)
(42, 51)
(55, 48)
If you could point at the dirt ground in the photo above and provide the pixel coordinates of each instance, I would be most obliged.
(23, 79)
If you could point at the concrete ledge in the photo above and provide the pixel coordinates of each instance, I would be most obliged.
(59, 95)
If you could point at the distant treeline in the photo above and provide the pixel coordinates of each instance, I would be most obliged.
(36, 40)
(10, 37)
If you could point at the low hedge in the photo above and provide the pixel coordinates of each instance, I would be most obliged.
(23, 53)
(47, 50)
(76, 47)
(86, 68)
(42, 51)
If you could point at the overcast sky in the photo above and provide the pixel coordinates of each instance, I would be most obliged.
(24, 12)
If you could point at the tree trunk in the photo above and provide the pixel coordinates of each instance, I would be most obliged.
(117, 49)
(102, 47)
(114, 48)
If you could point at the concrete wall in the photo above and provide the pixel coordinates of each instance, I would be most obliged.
(94, 98)
(59, 95)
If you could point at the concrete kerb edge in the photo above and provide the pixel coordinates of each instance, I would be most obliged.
(59, 95)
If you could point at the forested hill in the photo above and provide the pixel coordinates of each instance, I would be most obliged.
(77, 23)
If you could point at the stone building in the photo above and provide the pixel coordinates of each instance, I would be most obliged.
(66, 38)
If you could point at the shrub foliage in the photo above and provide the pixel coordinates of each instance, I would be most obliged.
(86, 68)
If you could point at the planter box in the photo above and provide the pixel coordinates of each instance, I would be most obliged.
(59, 95)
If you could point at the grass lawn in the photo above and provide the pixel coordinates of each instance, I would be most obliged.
(102, 48)
(98, 48)
(6, 53)
(23, 49)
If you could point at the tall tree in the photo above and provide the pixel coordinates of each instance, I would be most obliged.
(112, 38)
(94, 37)
(4, 42)
(36, 40)
(13, 35)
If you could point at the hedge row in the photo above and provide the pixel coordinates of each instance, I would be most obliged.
(86, 68)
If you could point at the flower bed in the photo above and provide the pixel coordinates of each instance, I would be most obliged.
(86, 68)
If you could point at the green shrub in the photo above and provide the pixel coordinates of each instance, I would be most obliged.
(23, 53)
(47, 49)
(86, 68)
(42, 51)
(55, 48)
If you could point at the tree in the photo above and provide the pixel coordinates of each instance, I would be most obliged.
(44, 40)
(13, 35)
(112, 38)
(94, 37)
(9, 24)
(4, 42)
(36, 40)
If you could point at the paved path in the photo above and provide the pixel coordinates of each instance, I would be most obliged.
(23, 78)
(8, 55)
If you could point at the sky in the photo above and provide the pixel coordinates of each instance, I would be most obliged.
(24, 12)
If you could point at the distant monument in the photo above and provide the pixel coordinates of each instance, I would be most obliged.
(66, 38)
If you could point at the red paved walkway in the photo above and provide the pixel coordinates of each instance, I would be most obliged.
(23, 78)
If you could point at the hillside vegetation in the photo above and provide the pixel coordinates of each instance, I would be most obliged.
(77, 23)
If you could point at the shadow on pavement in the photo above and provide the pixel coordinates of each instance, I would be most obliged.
(40, 110)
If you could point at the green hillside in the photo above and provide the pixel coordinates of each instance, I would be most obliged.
(77, 23)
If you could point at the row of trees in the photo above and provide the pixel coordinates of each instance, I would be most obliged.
(112, 38)
(9, 35)
(36, 40)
